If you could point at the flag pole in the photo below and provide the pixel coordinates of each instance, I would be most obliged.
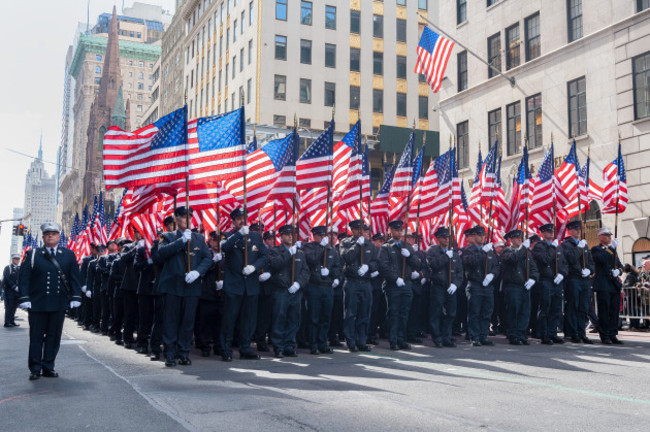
(329, 190)
(408, 204)
(218, 232)
(452, 237)
(245, 197)
(417, 219)
(360, 188)
(187, 196)
(293, 222)
(618, 185)
(582, 232)
(554, 207)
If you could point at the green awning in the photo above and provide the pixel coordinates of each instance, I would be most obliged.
(393, 139)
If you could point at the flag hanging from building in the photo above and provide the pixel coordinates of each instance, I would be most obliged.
(433, 54)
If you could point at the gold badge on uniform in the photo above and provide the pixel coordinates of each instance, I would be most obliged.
(254, 248)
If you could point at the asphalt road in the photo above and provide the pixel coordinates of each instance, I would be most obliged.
(102, 386)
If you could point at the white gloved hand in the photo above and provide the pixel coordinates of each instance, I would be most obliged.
(25, 305)
(452, 289)
(187, 236)
(294, 288)
(140, 243)
(374, 274)
(582, 244)
(526, 243)
(558, 279)
(415, 275)
(89, 294)
(335, 283)
(293, 249)
(74, 304)
(406, 253)
(616, 272)
(487, 247)
(324, 272)
(362, 270)
(614, 243)
(244, 230)
(264, 277)
(325, 241)
(84, 288)
(586, 272)
(218, 256)
(361, 240)
(555, 243)
(191, 276)
(450, 254)
(488, 279)
(219, 285)
(16, 288)
(423, 281)
(400, 282)
(298, 244)
(149, 261)
(529, 284)
(248, 270)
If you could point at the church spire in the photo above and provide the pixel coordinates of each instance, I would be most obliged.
(40, 147)
(111, 79)
(119, 112)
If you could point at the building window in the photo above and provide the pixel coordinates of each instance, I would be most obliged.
(461, 11)
(423, 107)
(139, 96)
(377, 101)
(401, 2)
(401, 104)
(534, 121)
(492, 2)
(401, 67)
(227, 76)
(642, 5)
(241, 96)
(249, 86)
(234, 66)
(355, 95)
(494, 127)
(98, 58)
(577, 91)
(330, 17)
(241, 59)
(355, 59)
(422, 4)
(250, 13)
(574, 19)
(140, 86)
(512, 45)
(330, 94)
(305, 90)
(401, 30)
(141, 64)
(279, 87)
(279, 120)
(641, 74)
(355, 22)
(250, 51)
(330, 55)
(305, 51)
(513, 113)
(97, 80)
(462, 135)
(140, 75)
(280, 47)
(98, 69)
(139, 108)
(243, 21)
(305, 12)
(533, 38)
(494, 54)
(304, 123)
(280, 10)
(378, 26)
(378, 63)
(462, 71)
(234, 31)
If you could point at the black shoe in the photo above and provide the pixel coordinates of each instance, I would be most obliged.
(515, 342)
(205, 352)
(575, 339)
(547, 341)
(184, 361)
(226, 357)
(476, 343)
(8, 325)
(414, 340)
(154, 357)
(325, 350)
(353, 348)
(616, 341)
(606, 341)
(50, 373)
(491, 333)
(394, 347)
(15, 324)
(523, 342)
(557, 340)
(128, 345)
(437, 344)
(335, 343)
(314, 351)
(111, 338)
(372, 341)
(248, 355)
(586, 340)
(289, 353)
(170, 362)
(262, 347)
(119, 342)
(487, 342)
(449, 344)
(403, 346)
(364, 348)
(34, 375)
(279, 354)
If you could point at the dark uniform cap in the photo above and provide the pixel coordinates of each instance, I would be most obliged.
(236, 213)
(356, 224)
(396, 224)
(573, 225)
(109, 242)
(342, 235)
(181, 211)
(468, 232)
(213, 235)
(379, 236)
(320, 230)
(123, 242)
(286, 229)
(534, 238)
(513, 233)
(546, 228)
(51, 227)
(478, 230)
(268, 235)
(441, 232)
(366, 227)
(168, 220)
(14, 256)
(257, 227)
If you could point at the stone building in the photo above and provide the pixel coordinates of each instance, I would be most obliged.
(40, 189)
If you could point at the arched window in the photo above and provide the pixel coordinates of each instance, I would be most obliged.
(98, 69)
(100, 138)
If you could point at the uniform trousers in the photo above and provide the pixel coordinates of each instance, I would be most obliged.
(11, 303)
(442, 312)
(609, 303)
(264, 316)
(399, 304)
(209, 323)
(336, 323)
(178, 326)
(480, 304)
(550, 308)
(242, 308)
(319, 306)
(45, 330)
(518, 298)
(577, 294)
(286, 319)
(145, 319)
(358, 302)
(130, 299)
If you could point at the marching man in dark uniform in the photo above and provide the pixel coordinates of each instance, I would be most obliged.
(519, 274)
(378, 308)
(211, 302)
(241, 285)
(180, 287)
(576, 287)
(265, 301)
(289, 274)
(443, 263)
(397, 260)
(48, 284)
(607, 285)
(10, 286)
(552, 270)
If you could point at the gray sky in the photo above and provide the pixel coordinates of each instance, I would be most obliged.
(35, 36)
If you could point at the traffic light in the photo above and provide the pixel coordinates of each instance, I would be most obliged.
(21, 230)
(15, 230)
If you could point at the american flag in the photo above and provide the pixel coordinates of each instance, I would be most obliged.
(379, 207)
(519, 200)
(101, 237)
(284, 187)
(433, 54)
(365, 175)
(591, 189)
(118, 220)
(314, 168)
(543, 191)
(350, 194)
(416, 188)
(615, 192)
(153, 154)
(342, 152)
(216, 147)
(569, 187)
(488, 175)
(437, 197)
(500, 211)
(402, 182)
(475, 209)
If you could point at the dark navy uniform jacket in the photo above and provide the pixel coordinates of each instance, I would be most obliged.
(280, 261)
(40, 284)
(314, 253)
(391, 261)
(513, 266)
(258, 256)
(545, 257)
(10, 280)
(145, 272)
(439, 268)
(474, 259)
(573, 255)
(350, 253)
(604, 263)
(173, 253)
(93, 278)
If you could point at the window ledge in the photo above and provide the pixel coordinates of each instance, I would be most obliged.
(641, 120)
(578, 138)
(463, 24)
(489, 8)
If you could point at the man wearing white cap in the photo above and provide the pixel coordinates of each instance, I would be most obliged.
(10, 286)
(607, 286)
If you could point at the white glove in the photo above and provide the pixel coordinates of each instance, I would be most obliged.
(415, 275)
(452, 289)
(335, 283)
(298, 244)
(187, 236)
(244, 230)
(582, 244)
(586, 272)
(526, 243)
(325, 241)
(324, 272)
(219, 285)
(616, 272)
(406, 253)
(149, 261)
(374, 274)
(264, 277)
(423, 281)
(218, 256)
(191, 276)
(361, 240)
(16, 288)
(487, 248)
(25, 305)
(248, 270)
(488, 279)
(450, 254)
(141, 243)
(294, 288)
(555, 243)
(614, 243)
(89, 294)
(558, 279)
(292, 250)
(84, 288)
(74, 304)
(400, 282)
(362, 270)
(529, 284)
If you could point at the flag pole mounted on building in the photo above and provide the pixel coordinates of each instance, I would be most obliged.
(438, 54)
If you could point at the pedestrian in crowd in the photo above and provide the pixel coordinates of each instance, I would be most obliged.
(10, 288)
(607, 286)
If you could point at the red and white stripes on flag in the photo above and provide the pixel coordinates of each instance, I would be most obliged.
(433, 54)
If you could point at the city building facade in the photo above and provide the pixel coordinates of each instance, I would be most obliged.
(16, 241)
(40, 189)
